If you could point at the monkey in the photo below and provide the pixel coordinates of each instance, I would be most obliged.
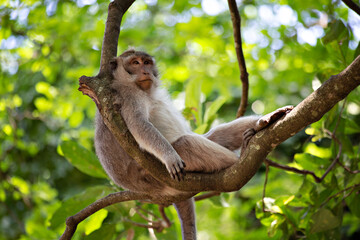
(161, 130)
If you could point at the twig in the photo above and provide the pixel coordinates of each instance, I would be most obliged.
(265, 183)
(352, 6)
(348, 169)
(263, 200)
(163, 215)
(353, 187)
(206, 195)
(244, 76)
(339, 117)
(138, 211)
(158, 224)
(292, 169)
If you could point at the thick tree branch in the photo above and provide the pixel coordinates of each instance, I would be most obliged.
(308, 111)
(233, 178)
(244, 76)
(352, 6)
(116, 11)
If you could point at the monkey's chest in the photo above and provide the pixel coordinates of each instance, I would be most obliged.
(170, 123)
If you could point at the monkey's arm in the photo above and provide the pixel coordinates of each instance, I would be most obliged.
(150, 139)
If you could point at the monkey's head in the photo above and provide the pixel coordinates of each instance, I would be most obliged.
(135, 67)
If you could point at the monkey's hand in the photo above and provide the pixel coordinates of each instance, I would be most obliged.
(272, 117)
(175, 167)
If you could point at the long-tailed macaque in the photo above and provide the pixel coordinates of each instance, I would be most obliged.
(162, 131)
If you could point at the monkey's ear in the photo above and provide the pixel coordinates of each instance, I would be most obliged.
(113, 64)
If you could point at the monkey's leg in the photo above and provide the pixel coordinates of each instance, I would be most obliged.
(230, 135)
(186, 212)
(202, 155)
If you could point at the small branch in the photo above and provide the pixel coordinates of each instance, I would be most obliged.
(292, 169)
(352, 6)
(265, 183)
(206, 195)
(263, 200)
(163, 215)
(337, 156)
(353, 187)
(339, 117)
(244, 76)
(73, 221)
(348, 169)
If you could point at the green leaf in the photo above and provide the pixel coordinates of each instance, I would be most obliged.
(107, 231)
(201, 129)
(357, 51)
(78, 202)
(211, 111)
(353, 201)
(83, 159)
(94, 222)
(335, 31)
(324, 220)
(192, 100)
(309, 161)
(351, 127)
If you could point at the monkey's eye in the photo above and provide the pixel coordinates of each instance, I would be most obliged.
(135, 62)
(146, 62)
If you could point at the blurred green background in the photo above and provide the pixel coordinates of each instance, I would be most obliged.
(48, 169)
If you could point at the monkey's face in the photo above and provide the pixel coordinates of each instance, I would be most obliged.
(140, 68)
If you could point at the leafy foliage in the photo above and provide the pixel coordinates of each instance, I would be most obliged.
(290, 48)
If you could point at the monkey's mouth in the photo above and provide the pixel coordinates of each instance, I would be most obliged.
(144, 80)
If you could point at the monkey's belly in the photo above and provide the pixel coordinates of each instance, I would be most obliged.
(119, 166)
(126, 173)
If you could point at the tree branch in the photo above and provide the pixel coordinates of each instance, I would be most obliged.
(352, 6)
(292, 169)
(244, 76)
(308, 111)
(116, 11)
(73, 221)
(233, 178)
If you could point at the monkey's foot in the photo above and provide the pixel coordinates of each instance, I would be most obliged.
(247, 135)
(272, 117)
